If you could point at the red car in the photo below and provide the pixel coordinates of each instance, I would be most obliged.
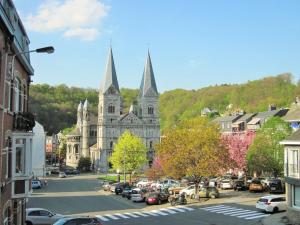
(156, 198)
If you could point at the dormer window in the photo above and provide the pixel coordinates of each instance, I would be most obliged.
(150, 110)
(111, 109)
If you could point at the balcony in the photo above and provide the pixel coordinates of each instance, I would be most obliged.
(23, 121)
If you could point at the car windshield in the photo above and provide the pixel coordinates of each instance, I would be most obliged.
(263, 200)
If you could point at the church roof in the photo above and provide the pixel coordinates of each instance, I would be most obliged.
(74, 132)
(148, 84)
(110, 75)
(86, 104)
(80, 106)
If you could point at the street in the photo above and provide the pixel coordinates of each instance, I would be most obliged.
(82, 195)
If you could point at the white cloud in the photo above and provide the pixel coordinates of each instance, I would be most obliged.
(86, 34)
(72, 17)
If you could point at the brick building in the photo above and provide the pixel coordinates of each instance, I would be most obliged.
(15, 123)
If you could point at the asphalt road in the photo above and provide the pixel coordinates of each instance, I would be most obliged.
(82, 195)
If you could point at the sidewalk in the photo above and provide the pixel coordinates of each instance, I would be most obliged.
(275, 219)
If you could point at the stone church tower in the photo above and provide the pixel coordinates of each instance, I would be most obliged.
(95, 136)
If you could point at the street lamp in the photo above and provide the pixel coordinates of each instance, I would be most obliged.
(48, 50)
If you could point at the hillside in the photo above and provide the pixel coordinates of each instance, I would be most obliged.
(55, 107)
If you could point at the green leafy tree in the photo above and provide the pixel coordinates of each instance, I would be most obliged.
(266, 154)
(129, 153)
(84, 164)
(193, 149)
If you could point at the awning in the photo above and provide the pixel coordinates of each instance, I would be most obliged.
(253, 121)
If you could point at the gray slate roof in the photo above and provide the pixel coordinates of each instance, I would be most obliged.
(293, 114)
(247, 117)
(148, 84)
(110, 75)
(294, 136)
(227, 118)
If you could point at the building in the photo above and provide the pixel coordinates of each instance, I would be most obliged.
(226, 122)
(52, 145)
(95, 136)
(293, 115)
(15, 122)
(38, 150)
(292, 175)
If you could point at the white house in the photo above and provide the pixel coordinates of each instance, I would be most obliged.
(38, 150)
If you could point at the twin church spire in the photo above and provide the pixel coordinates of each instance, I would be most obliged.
(110, 81)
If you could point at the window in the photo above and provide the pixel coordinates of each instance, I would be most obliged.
(151, 144)
(111, 145)
(70, 150)
(297, 196)
(76, 149)
(293, 165)
(6, 218)
(150, 110)
(100, 110)
(18, 95)
(34, 213)
(111, 109)
(20, 156)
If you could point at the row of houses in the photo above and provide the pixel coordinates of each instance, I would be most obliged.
(242, 122)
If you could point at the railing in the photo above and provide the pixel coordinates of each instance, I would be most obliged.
(23, 121)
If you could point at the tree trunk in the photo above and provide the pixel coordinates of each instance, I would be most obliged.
(197, 190)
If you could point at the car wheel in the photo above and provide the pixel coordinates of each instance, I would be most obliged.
(192, 196)
(173, 202)
(28, 223)
(212, 196)
(275, 210)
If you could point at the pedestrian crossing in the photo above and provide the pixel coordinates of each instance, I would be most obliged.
(236, 212)
(156, 212)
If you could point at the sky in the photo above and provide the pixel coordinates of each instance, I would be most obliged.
(193, 43)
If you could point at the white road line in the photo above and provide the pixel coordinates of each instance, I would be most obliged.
(255, 217)
(216, 206)
(141, 214)
(184, 207)
(168, 210)
(250, 215)
(159, 212)
(132, 215)
(237, 211)
(111, 216)
(220, 208)
(227, 211)
(243, 213)
(176, 209)
(223, 209)
(121, 215)
(102, 218)
(150, 213)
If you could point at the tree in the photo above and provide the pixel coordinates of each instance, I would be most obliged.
(193, 149)
(155, 172)
(266, 154)
(84, 163)
(129, 154)
(238, 145)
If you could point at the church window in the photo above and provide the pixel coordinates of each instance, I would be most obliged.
(111, 144)
(100, 109)
(76, 149)
(150, 110)
(151, 144)
(111, 109)
(70, 150)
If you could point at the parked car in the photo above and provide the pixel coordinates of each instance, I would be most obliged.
(36, 184)
(276, 186)
(81, 220)
(113, 187)
(226, 184)
(156, 198)
(143, 183)
(71, 171)
(175, 190)
(208, 192)
(120, 187)
(239, 185)
(272, 203)
(62, 175)
(167, 184)
(41, 216)
(127, 192)
(138, 195)
(256, 185)
(190, 190)
(106, 186)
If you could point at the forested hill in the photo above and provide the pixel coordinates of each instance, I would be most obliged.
(55, 106)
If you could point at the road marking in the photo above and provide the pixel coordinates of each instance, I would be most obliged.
(176, 209)
(159, 212)
(169, 211)
(237, 212)
(255, 217)
(150, 213)
(187, 208)
(250, 215)
(132, 215)
(218, 209)
(121, 215)
(227, 211)
(242, 213)
(102, 218)
(216, 206)
(111, 216)
(141, 214)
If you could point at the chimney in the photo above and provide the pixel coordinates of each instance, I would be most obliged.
(272, 107)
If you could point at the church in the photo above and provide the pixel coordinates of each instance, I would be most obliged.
(95, 136)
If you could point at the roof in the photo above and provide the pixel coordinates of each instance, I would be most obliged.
(293, 137)
(293, 114)
(148, 84)
(227, 118)
(254, 121)
(246, 117)
(110, 75)
(74, 132)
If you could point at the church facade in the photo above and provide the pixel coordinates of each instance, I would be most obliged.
(95, 136)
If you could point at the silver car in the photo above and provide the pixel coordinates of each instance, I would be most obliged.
(41, 216)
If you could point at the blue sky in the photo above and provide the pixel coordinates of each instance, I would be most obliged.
(193, 43)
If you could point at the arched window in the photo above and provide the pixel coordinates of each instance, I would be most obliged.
(70, 150)
(151, 144)
(111, 145)
(150, 110)
(111, 109)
